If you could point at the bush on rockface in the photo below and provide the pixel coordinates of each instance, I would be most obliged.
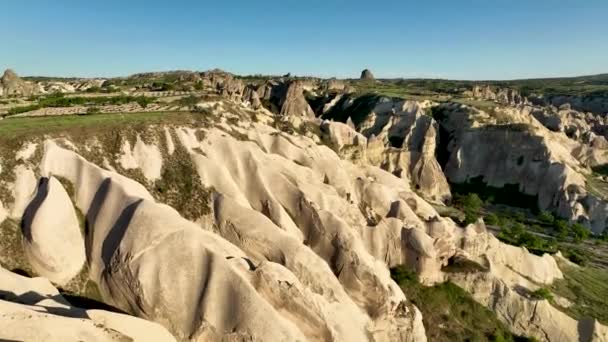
(546, 217)
(542, 293)
(471, 205)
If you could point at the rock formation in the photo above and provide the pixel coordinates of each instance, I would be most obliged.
(31, 309)
(511, 147)
(12, 85)
(501, 95)
(293, 103)
(366, 75)
(402, 139)
(225, 227)
(54, 247)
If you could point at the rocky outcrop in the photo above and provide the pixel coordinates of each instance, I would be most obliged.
(501, 95)
(402, 139)
(31, 309)
(134, 243)
(12, 85)
(224, 84)
(334, 85)
(53, 242)
(511, 147)
(294, 242)
(293, 103)
(576, 125)
(366, 75)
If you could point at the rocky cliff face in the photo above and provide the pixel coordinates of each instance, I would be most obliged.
(511, 147)
(288, 252)
(401, 138)
(293, 103)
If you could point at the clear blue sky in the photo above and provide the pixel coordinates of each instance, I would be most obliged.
(482, 39)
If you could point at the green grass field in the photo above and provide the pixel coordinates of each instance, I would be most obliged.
(587, 289)
(12, 128)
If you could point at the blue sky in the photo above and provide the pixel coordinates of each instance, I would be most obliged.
(468, 39)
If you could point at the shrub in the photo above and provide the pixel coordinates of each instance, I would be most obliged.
(580, 232)
(576, 256)
(546, 217)
(561, 228)
(542, 293)
(403, 275)
(470, 204)
(492, 219)
(519, 216)
(144, 101)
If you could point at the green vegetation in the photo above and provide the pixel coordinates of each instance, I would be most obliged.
(516, 233)
(542, 293)
(449, 313)
(595, 85)
(12, 128)
(438, 90)
(507, 195)
(12, 256)
(522, 224)
(59, 100)
(576, 255)
(470, 204)
(180, 185)
(596, 183)
(546, 217)
(590, 86)
(587, 289)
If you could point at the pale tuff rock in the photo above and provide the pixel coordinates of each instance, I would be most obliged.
(224, 84)
(294, 103)
(331, 103)
(334, 85)
(252, 98)
(11, 84)
(402, 139)
(296, 243)
(31, 309)
(134, 264)
(173, 240)
(514, 265)
(525, 153)
(340, 136)
(53, 243)
(22, 191)
(145, 157)
(26, 152)
(500, 95)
